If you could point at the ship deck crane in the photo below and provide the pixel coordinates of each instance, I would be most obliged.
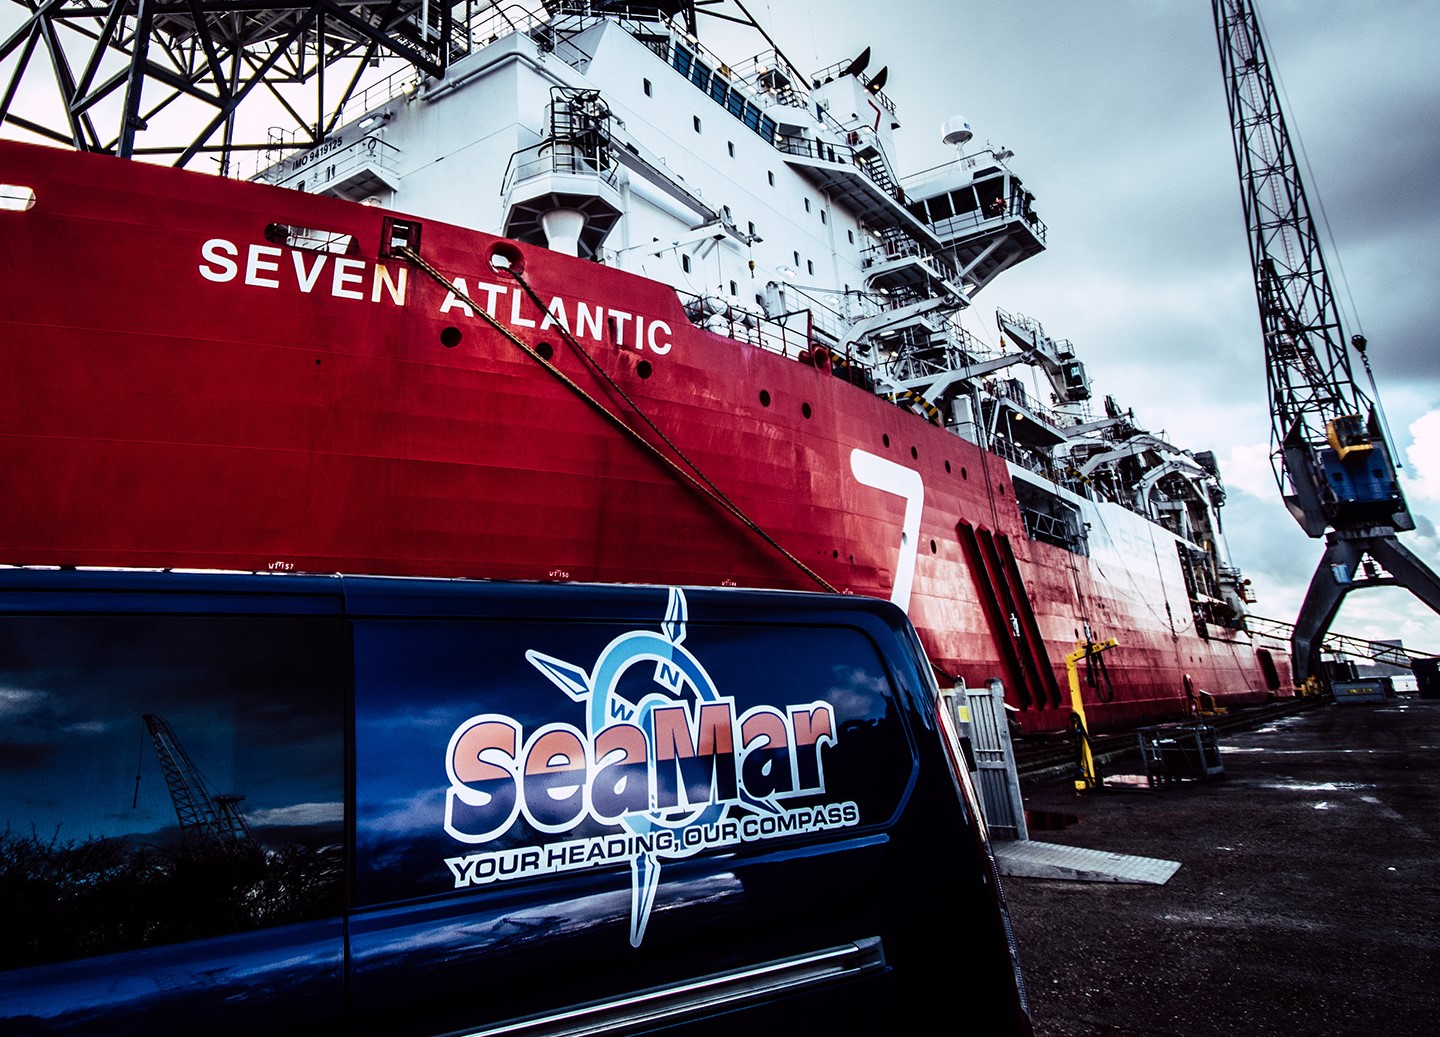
(1329, 448)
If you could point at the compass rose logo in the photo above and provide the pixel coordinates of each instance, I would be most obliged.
(662, 760)
(678, 677)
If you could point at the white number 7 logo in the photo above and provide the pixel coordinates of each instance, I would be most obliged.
(872, 470)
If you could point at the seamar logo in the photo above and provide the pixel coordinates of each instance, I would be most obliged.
(674, 773)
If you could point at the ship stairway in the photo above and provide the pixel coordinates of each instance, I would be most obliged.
(860, 183)
(1011, 616)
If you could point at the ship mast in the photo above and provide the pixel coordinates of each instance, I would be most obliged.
(1329, 448)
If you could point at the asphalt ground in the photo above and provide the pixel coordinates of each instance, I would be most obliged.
(1307, 902)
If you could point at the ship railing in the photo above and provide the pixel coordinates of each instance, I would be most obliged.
(718, 81)
(895, 245)
(845, 154)
(771, 76)
(1062, 347)
(829, 73)
(924, 355)
(499, 22)
(379, 93)
(331, 166)
(791, 335)
(561, 156)
(1059, 474)
(1012, 390)
(1344, 644)
(986, 159)
(1025, 458)
(745, 92)
(831, 322)
(998, 212)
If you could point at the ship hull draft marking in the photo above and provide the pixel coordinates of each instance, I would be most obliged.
(673, 774)
(906, 483)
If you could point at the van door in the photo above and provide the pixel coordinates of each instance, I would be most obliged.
(571, 799)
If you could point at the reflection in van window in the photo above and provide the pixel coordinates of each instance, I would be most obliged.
(166, 778)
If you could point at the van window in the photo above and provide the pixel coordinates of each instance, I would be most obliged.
(165, 778)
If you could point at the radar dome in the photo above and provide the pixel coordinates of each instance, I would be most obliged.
(955, 130)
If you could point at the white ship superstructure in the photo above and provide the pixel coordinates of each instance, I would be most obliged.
(771, 200)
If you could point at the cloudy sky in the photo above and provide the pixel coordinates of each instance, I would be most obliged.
(1116, 113)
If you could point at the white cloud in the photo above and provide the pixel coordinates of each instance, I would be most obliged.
(404, 816)
(299, 814)
(1424, 456)
(16, 703)
(1248, 469)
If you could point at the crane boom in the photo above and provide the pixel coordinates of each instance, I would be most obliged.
(205, 818)
(1329, 451)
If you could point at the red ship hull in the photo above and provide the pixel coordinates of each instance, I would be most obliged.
(180, 391)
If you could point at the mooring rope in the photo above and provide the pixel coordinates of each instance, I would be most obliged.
(693, 475)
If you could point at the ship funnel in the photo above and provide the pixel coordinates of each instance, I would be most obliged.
(956, 131)
(562, 230)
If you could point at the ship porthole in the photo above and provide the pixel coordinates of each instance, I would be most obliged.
(643, 369)
(805, 409)
(947, 466)
(546, 350)
(934, 548)
(450, 338)
(764, 398)
(505, 256)
(964, 474)
(914, 454)
(885, 439)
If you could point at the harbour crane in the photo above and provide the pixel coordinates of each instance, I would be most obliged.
(206, 819)
(1330, 450)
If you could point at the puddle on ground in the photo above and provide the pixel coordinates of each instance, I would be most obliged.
(1315, 786)
(1127, 781)
(1278, 725)
(1049, 820)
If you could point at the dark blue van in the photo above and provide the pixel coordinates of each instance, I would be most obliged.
(275, 804)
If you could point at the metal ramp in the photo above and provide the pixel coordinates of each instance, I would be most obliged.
(1034, 860)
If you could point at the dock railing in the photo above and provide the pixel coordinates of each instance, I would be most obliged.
(1356, 647)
